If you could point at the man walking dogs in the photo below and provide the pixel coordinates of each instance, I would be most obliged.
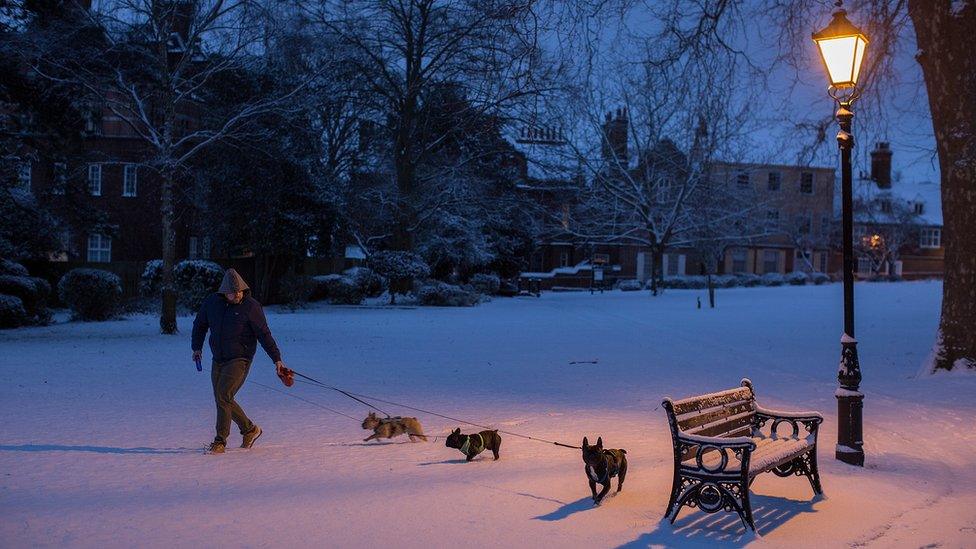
(236, 323)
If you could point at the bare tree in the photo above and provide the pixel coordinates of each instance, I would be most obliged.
(888, 224)
(156, 62)
(406, 51)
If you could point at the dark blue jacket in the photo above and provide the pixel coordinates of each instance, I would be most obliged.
(234, 329)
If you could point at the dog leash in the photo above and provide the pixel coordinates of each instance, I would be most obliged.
(359, 398)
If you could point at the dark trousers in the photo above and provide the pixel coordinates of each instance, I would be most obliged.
(227, 378)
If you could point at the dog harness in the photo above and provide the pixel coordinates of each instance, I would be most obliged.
(611, 468)
(478, 448)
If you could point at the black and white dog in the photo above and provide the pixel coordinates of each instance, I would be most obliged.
(601, 465)
(472, 445)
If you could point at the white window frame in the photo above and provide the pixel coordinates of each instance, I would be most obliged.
(60, 178)
(130, 180)
(865, 266)
(564, 259)
(205, 247)
(99, 248)
(95, 179)
(744, 254)
(930, 238)
(193, 248)
(767, 254)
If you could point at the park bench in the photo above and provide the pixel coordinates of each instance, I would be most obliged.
(722, 443)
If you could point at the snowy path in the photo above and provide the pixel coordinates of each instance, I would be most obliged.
(102, 425)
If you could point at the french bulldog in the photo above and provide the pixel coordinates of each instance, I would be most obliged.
(472, 445)
(389, 427)
(601, 465)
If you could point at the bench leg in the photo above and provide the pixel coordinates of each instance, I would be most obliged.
(746, 514)
(673, 505)
(812, 472)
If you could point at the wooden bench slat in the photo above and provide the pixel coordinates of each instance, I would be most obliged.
(732, 427)
(698, 403)
(692, 420)
(728, 421)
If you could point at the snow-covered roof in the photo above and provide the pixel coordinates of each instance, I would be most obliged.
(548, 156)
(926, 193)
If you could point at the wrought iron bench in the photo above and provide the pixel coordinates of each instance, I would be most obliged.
(721, 443)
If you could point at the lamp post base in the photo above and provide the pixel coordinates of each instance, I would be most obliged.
(850, 403)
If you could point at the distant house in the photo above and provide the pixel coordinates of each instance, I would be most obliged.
(897, 225)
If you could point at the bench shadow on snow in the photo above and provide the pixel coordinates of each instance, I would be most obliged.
(696, 529)
(96, 449)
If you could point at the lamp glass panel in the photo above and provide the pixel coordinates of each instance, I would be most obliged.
(858, 57)
(838, 54)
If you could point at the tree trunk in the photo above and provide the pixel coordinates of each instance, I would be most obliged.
(167, 317)
(657, 258)
(946, 43)
(711, 292)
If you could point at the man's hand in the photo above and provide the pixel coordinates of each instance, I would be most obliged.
(284, 374)
(197, 355)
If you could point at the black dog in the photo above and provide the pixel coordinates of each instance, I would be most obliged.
(472, 445)
(601, 466)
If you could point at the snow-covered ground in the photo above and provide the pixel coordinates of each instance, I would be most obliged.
(103, 424)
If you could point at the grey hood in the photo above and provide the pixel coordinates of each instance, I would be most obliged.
(232, 283)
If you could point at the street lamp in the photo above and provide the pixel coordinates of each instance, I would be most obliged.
(842, 48)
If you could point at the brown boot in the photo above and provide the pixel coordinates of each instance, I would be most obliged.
(217, 446)
(251, 436)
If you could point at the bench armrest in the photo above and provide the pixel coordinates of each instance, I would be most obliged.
(810, 420)
(799, 416)
(713, 455)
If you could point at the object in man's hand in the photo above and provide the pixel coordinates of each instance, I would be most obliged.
(199, 365)
(286, 376)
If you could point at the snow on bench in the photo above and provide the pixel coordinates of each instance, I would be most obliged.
(721, 443)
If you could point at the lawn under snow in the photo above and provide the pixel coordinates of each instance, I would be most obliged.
(103, 424)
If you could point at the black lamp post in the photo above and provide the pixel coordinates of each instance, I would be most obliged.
(842, 48)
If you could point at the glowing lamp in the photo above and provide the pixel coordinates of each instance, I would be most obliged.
(842, 50)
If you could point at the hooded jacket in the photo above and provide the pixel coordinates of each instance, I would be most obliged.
(235, 329)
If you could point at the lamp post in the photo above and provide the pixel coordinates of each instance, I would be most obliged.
(842, 46)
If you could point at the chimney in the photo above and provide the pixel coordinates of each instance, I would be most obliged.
(615, 139)
(881, 165)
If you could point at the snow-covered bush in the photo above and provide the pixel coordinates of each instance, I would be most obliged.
(629, 285)
(150, 283)
(725, 281)
(819, 278)
(400, 269)
(12, 313)
(748, 279)
(797, 278)
(370, 284)
(442, 294)
(12, 268)
(691, 282)
(196, 279)
(91, 294)
(773, 279)
(342, 290)
(486, 283)
(33, 293)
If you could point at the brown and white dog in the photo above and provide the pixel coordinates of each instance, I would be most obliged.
(390, 427)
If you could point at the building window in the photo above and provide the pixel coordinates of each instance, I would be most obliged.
(806, 182)
(930, 238)
(919, 208)
(823, 262)
(824, 225)
(99, 248)
(742, 180)
(95, 179)
(205, 247)
(564, 259)
(772, 216)
(739, 258)
(193, 247)
(24, 176)
(864, 266)
(770, 261)
(886, 205)
(804, 224)
(775, 181)
(129, 181)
